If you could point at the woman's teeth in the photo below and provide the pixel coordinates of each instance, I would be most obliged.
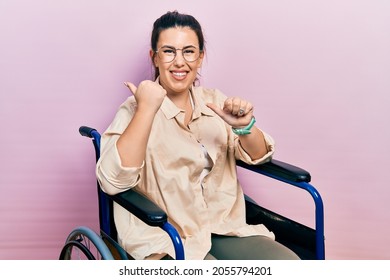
(179, 74)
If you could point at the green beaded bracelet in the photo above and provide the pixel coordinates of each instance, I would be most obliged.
(245, 130)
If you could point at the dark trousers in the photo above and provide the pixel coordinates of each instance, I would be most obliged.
(248, 248)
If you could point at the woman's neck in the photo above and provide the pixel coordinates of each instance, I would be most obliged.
(184, 102)
(181, 100)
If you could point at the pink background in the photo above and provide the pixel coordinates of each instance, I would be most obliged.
(318, 73)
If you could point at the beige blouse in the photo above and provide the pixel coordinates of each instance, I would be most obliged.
(171, 176)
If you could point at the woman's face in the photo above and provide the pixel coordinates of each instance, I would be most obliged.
(177, 76)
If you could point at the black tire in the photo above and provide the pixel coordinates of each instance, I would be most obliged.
(69, 251)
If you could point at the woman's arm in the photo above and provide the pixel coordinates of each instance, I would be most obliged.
(132, 143)
(254, 143)
(238, 113)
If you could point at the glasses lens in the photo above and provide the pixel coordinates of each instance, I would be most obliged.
(166, 54)
(191, 54)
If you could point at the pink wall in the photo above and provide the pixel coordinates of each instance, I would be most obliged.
(317, 73)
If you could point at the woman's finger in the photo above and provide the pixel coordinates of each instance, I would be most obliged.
(131, 86)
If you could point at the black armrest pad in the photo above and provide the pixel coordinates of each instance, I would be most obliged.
(141, 207)
(279, 169)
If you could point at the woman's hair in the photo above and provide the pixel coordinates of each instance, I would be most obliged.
(174, 19)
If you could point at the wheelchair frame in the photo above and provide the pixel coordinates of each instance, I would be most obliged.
(308, 243)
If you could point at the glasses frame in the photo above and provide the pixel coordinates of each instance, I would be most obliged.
(178, 49)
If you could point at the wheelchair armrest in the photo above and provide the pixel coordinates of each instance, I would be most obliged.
(279, 169)
(141, 207)
(151, 214)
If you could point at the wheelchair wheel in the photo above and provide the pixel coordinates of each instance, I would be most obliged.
(84, 244)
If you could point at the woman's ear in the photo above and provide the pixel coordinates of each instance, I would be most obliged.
(152, 55)
(200, 60)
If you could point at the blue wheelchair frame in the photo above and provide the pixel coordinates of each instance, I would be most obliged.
(152, 215)
(138, 206)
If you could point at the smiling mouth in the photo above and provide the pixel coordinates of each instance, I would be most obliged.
(179, 74)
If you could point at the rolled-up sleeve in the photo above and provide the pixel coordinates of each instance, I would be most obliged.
(112, 176)
(244, 156)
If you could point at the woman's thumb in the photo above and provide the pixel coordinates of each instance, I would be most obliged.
(131, 86)
(216, 109)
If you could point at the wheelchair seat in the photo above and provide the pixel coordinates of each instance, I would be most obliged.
(306, 242)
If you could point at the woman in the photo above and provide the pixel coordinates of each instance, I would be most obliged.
(177, 144)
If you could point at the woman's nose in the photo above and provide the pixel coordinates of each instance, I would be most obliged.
(179, 59)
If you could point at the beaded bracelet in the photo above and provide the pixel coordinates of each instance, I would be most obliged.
(245, 130)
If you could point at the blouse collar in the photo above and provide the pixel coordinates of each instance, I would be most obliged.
(170, 110)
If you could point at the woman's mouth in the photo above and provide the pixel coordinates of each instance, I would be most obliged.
(179, 75)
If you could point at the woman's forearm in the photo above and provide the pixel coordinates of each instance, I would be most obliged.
(132, 143)
(254, 143)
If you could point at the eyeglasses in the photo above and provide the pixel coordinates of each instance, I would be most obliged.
(168, 54)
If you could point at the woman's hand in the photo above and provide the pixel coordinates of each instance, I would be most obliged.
(149, 94)
(236, 112)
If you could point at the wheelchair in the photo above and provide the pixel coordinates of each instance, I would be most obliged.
(308, 243)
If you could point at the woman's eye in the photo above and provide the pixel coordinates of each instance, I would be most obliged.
(168, 51)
